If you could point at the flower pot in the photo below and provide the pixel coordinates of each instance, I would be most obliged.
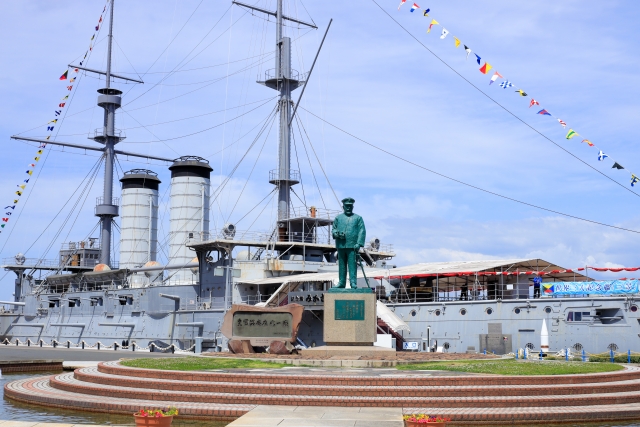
(153, 421)
(417, 424)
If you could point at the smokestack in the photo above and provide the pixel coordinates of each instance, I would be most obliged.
(190, 189)
(139, 218)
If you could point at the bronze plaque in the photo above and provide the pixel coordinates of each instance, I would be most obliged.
(349, 309)
(249, 324)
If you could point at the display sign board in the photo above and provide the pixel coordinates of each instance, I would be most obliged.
(411, 345)
(349, 310)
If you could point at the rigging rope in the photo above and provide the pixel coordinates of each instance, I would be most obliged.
(503, 107)
(465, 183)
(318, 159)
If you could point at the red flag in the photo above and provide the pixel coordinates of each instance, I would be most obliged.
(62, 104)
(69, 87)
(64, 75)
(533, 102)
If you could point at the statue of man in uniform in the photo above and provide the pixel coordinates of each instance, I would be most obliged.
(349, 234)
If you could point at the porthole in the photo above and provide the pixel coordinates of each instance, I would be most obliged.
(548, 310)
(446, 346)
(489, 310)
(613, 347)
(530, 346)
(577, 346)
(516, 311)
(463, 311)
(633, 308)
(413, 313)
(438, 312)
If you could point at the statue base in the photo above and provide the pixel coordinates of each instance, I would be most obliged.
(350, 317)
(349, 352)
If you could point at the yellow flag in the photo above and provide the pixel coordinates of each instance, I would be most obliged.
(37, 159)
(30, 172)
(19, 193)
(457, 40)
(39, 151)
(22, 186)
(433, 22)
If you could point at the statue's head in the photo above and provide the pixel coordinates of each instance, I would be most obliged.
(347, 205)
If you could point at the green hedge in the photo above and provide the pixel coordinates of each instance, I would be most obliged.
(618, 359)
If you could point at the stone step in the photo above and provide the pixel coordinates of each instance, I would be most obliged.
(39, 391)
(67, 382)
(408, 380)
(93, 375)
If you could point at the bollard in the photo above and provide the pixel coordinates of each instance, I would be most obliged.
(133, 347)
(68, 344)
(584, 355)
(524, 356)
(628, 356)
(540, 354)
(485, 351)
(151, 347)
(98, 345)
(517, 352)
(115, 346)
(173, 348)
(40, 343)
(83, 345)
(566, 355)
(611, 355)
(17, 341)
(29, 344)
(54, 343)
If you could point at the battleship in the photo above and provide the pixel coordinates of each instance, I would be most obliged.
(90, 296)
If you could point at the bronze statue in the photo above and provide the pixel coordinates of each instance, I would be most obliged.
(349, 234)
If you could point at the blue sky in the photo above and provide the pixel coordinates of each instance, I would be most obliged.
(577, 58)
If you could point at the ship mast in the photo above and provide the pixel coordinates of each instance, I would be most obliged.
(283, 74)
(285, 80)
(110, 100)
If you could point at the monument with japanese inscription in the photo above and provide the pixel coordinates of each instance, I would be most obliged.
(350, 319)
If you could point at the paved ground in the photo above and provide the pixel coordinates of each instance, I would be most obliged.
(312, 416)
(12, 423)
(10, 353)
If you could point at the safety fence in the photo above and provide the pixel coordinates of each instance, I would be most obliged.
(99, 345)
(584, 356)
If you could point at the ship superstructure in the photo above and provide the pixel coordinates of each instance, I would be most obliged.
(86, 297)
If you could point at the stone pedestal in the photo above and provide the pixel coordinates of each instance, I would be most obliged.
(350, 326)
(350, 317)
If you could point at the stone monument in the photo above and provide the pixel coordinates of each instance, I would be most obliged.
(350, 319)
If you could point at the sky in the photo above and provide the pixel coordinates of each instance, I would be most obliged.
(379, 77)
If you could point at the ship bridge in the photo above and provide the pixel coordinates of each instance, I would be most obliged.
(427, 282)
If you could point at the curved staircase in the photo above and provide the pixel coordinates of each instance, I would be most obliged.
(227, 395)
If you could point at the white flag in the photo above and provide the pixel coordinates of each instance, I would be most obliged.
(444, 33)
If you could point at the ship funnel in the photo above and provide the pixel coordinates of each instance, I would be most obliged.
(190, 189)
(139, 220)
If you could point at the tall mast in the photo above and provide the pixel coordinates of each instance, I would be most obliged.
(283, 73)
(107, 207)
(284, 80)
